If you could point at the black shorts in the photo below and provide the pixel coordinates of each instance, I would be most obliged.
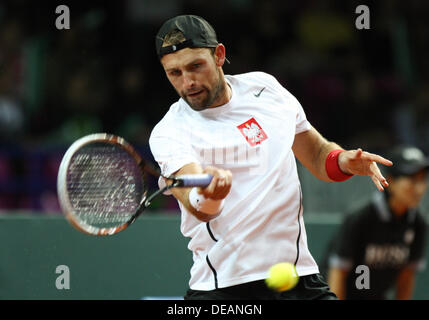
(311, 287)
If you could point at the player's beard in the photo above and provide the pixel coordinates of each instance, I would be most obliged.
(211, 95)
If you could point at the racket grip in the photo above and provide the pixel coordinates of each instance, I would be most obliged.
(195, 180)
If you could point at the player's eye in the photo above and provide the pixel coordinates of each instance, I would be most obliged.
(174, 73)
(195, 66)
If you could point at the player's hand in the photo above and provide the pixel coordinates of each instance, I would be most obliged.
(363, 163)
(220, 185)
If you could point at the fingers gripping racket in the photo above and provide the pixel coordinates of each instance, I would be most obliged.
(102, 185)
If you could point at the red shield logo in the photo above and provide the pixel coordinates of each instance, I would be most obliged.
(252, 131)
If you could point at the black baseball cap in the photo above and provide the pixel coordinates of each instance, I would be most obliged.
(407, 160)
(197, 31)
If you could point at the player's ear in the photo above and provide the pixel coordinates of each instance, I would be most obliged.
(219, 55)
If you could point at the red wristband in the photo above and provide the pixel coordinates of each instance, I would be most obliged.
(332, 168)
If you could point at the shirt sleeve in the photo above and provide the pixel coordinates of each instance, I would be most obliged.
(171, 149)
(301, 124)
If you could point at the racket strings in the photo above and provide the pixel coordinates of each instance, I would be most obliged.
(105, 185)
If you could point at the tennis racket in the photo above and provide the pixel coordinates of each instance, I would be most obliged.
(102, 186)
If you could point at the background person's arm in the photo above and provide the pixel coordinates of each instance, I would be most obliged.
(405, 284)
(337, 281)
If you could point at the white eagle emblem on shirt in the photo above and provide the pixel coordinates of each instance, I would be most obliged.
(252, 131)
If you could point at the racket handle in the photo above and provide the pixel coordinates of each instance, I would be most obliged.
(195, 180)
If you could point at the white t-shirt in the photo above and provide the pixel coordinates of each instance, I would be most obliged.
(252, 135)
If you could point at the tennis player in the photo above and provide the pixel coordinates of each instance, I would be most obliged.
(245, 130)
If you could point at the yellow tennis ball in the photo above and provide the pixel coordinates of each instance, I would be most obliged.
(282, 276)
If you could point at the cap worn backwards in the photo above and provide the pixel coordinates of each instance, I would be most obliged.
(197, 31)
(407, 160)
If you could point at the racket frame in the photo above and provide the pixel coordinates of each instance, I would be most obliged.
(63, 196)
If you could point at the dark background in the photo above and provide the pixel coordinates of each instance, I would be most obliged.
(360, 88)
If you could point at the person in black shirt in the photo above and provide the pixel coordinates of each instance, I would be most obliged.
(385, 238)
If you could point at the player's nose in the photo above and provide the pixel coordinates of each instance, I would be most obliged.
(188, 81)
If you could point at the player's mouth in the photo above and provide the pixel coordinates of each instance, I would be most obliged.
(195, 93)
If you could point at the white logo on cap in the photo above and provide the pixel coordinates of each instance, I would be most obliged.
(174, 48)
(412, 154)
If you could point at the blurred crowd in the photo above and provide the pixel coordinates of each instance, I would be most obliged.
(360, 88)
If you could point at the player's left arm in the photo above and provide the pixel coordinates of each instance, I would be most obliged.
(312, 150)
(405, 283)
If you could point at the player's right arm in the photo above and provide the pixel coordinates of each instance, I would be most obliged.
(218, 189)
(170, 144)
